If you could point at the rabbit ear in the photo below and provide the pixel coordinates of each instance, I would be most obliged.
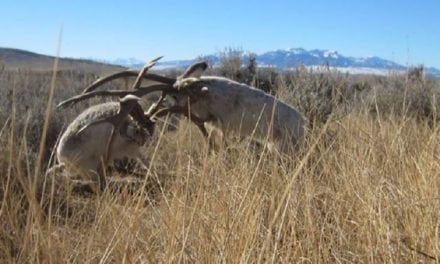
(191, 75)
(195, 71)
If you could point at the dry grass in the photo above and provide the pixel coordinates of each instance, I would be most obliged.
(366, 189)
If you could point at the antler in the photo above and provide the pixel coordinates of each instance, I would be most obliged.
(132, 73)
(165, 86)
(120, 93)
(126, 104)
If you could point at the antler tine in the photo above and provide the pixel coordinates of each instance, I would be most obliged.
(128, 73)
(138, 81)
(155, 106)
(144, 70)
(156, 59)
(121, 93)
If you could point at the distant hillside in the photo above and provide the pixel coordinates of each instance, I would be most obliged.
(21, 59)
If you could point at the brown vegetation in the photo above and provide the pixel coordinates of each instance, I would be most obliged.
(15, 59)
(366, 188)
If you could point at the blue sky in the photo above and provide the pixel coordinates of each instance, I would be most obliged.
(401, 30)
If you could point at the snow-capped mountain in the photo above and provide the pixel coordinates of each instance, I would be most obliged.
(294, 57)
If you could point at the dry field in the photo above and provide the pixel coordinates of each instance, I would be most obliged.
(364, 189)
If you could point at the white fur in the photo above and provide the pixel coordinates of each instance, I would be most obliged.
(246, 111)
(83, 152)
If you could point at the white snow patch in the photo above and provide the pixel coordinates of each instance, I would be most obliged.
(295, 50)
(357, 70)
(331, 54)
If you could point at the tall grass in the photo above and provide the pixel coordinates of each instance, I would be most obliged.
(365, 189)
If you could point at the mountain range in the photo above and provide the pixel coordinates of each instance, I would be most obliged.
(294, 57)
(281, 59)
